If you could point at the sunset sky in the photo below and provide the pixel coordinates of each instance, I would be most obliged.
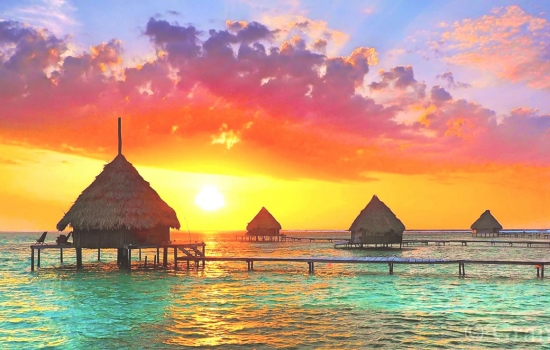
(309, 108)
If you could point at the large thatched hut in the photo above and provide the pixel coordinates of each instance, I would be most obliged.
(263, 225)
(376, 224)
(486, 225)
(119, 208)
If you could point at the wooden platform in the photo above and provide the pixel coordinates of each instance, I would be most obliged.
(193, 250)
(285, 238)
(259, 238)
(390, 261)
(462, 242)
(313, 239)
(465, 242)
(535, 234)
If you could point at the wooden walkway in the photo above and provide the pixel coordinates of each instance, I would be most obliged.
(194, 253)
(515, 234)
(285, 238)
(462, 242)
(390, 261)
(465, 242)
(189, 250)
(314, 239)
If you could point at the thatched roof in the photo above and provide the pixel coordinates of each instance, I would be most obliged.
(377, 218)
(119, 198)
(263, 220)
(486, 222)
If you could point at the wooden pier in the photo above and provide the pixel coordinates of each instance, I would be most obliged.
(535, 234)
(390, 261)
(285, 238)
(189, 250)
(462, 242)
(259, 238)
(195, 253)
(465, 242)
(314, 239)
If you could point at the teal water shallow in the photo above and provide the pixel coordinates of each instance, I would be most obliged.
(278, 305)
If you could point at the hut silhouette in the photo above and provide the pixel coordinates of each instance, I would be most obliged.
(263, 225)
(486, 225)
(119, 208)
(376, 224)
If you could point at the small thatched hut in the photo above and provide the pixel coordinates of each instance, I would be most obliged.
(376, 224)
(263, 224)
(486, 224)
(119, 208)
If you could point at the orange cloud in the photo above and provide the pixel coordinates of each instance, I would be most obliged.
(284, 110)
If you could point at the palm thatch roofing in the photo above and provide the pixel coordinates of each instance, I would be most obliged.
(486, 222)
(263, 221)
(119, 198)
(377, 218)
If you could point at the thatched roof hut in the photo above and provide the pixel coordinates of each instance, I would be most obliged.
(376, 224)
(119, 208)
(486, 224)
(263, 224)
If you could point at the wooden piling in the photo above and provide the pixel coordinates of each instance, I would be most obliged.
(129, 259)
(175, 258)
(32, 259)
(61, 255)
(78, 258)
(98, 254)
(38, 258)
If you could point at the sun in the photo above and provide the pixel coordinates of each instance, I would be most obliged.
(209, 198)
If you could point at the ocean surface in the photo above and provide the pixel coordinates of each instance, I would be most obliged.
(278, 305)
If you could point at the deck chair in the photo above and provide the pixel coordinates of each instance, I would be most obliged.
(62, 239)
(42, 238)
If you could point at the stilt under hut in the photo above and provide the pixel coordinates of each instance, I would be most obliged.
(119, 208)
(486, 225)
(264, 227)
(376, 224)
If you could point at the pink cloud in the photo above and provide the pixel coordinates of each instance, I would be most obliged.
(237, 97)
(509, 42)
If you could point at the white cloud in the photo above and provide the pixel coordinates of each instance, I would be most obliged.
(54, 15)
(308, 29)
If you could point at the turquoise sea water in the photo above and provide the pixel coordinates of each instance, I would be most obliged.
(278, 305)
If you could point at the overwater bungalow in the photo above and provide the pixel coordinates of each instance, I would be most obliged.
(486, 225)
(376, 224)
(119, 208)
(264, 226)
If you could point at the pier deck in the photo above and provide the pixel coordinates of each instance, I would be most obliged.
(193, 250)
(313, 239)
(389, 260)
(464, 242)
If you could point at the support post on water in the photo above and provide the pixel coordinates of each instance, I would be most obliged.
(78, 258)
(32, 259)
